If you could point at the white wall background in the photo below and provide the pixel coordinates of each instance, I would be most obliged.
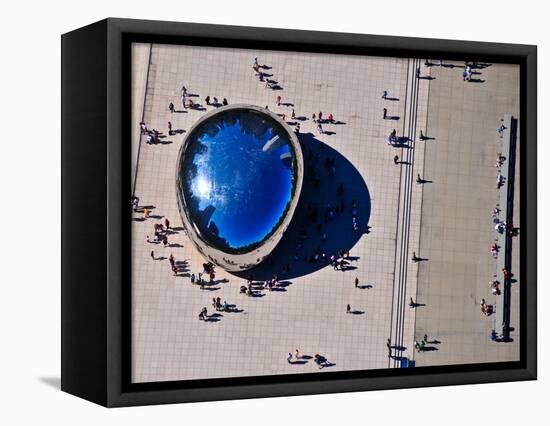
(30, 210)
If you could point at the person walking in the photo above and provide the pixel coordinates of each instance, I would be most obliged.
(170, 128)
(143, 127)
(293, 116)
(348, 309)
(153, 254)
(207, 100)
(396, 159)
(278, 99)
(171, 107)
(385, 94)
(203, 314)
(385, 113)
(356, 282)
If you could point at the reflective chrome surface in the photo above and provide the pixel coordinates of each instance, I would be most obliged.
(237, 178)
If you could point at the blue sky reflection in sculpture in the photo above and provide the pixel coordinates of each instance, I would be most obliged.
(237, 178)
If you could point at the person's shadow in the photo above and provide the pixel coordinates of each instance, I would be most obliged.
(293, 255)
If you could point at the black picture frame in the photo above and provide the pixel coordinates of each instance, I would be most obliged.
(96, 227)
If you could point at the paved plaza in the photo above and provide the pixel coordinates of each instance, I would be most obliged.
(309, 313)
(457, 228)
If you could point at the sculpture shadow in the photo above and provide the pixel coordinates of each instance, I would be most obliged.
(304, 237)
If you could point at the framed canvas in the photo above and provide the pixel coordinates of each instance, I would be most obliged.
(253, 212)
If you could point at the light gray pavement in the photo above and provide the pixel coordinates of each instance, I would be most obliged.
(140, 59)
(168, 340)
(457, 229)
(455, 233)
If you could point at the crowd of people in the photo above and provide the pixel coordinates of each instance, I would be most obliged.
(468, 68)
(322, 216)
(252, 287)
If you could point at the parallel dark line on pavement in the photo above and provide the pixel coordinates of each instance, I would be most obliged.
(402, 242)
(408, 155)
(398, 211)
(426, 148)
(407, 217)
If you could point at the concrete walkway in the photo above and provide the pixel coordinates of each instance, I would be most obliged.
(457, 228)
(309, 313)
